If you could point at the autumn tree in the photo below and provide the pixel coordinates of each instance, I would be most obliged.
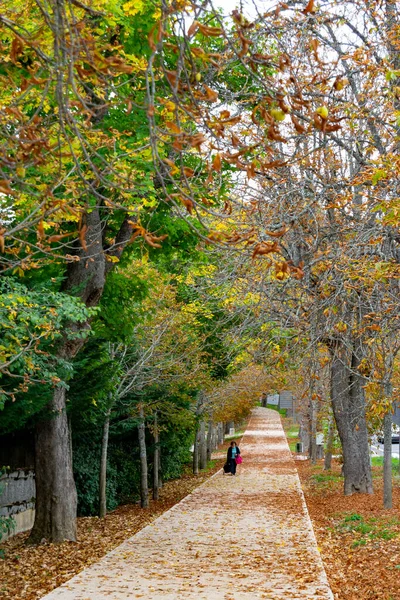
(321, 158)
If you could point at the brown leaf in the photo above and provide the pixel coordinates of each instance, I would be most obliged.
(40, 230)
(197, 140)
(58, 238)
(210, 31)
(82, 237)
(217, 163)
(235, 140)
(298, 127)
(263, 248)
(16, 49)
(172, 77)
(212, 96)
(173, 127)
(309, 8)
(277, 234)
(5, 187)
(2, 241)
(192, 29)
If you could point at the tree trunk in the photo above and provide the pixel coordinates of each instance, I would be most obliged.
(348, 404)
(196, 451)
(144, 487)
(156, 460)
(329, 444)
(210, 439)
(387, 461)
(313, 432)
(55, 510)
(304, 433)
(229, 425)
(215, 438)
(103, 467)
(203, 446)
(56, 501)
(220, 433)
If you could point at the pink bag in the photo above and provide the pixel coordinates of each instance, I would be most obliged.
(239, 460)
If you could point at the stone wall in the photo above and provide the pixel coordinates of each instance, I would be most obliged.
(17, 498)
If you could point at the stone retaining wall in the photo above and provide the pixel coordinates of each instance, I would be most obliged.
(17, 498)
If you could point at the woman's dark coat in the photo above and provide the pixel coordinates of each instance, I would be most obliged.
(230, 452)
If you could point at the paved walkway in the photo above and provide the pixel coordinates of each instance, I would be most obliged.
(233, 538)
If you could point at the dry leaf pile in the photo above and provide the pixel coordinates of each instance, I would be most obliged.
(30, 572)
(359, 540)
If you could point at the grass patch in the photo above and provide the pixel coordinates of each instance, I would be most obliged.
(324, 480)
(210, 465)
(292, 431)
(293, 448)
(237, 434)
(281, 411)
(377, 461)
(368, 530)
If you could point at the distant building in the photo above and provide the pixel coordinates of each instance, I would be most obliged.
(286, 400)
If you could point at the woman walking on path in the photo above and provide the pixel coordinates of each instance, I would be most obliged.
(233, 453)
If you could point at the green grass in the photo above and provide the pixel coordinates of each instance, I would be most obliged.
(237, 434)
(210, 465)
(326, 479)
(292, 431)
(281, 411)
(377, 461)
(368, 530)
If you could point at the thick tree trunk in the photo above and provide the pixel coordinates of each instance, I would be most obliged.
(304, 433)
(55, 517)
(387, 461)
(156, 460)
(55, 514)
(348, 404)
(144, 486)
(103, 467)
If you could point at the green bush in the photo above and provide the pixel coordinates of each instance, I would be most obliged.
(175, 452)
(122, 474)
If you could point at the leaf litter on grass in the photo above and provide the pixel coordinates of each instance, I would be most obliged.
(359, 540)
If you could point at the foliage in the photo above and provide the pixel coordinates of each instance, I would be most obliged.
(32, 322)
(122, 473)
(80, 124)
(7, 526)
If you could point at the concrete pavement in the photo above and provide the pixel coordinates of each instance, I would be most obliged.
(233, 538)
